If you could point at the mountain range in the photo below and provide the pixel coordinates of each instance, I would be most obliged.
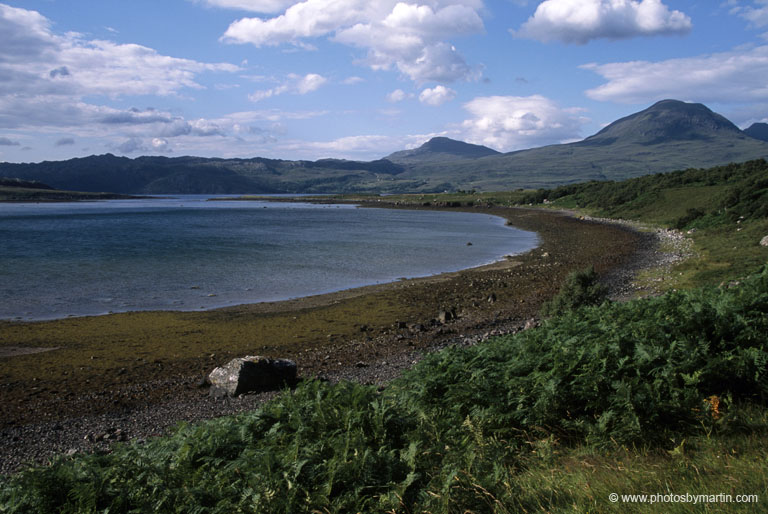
(668, 135)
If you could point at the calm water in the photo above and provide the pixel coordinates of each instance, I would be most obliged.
(58, 260)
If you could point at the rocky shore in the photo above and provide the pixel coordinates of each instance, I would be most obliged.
(133, 376)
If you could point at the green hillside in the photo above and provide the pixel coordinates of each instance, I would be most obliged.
(725, 208)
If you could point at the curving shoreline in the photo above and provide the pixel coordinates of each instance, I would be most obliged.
(86, 399)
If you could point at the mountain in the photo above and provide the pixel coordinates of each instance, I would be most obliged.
(180, 175)
(665, 122)
(439, 149)
(666, 136)
(758, 131)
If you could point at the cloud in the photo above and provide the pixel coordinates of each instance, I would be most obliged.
(512, 122)
(46, 76)
(396, 35)
(727, 77)
(59, 72)
(160, 145)
(354, 147)
(24, 35)
(398, 95)
(579, 21)
(273, 115)
(351, 81)
(309, 82)
(261, 6)
(436, 96)
(135, 116)
(296, 84)
(4, 141)
(35, 62)
(757, 16)
(132, 145)
(65, 141)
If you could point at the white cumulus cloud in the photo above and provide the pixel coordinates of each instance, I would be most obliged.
(512, 122)
(411, 38)
(34, 60)
(736, 76)
(436, 96)
(579, 21)
(46, 76)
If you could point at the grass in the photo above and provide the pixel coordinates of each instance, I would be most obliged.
(665, 395)
(581, 479)
(662, 395)
(725, 208)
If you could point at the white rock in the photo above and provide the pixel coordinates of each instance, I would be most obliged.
(251, 374)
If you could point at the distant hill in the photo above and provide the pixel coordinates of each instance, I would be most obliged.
(667, 136)
(197, 175)
(758, 131)
(439, 149)
(24, 184)
(666, 122)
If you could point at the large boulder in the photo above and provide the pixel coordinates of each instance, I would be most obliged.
(251, 374)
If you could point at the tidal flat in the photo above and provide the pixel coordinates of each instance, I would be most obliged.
(115, 369)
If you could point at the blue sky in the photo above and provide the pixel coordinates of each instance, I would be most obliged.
(360, 79)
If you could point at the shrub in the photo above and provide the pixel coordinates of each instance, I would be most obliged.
(581, 288)
(451, 433)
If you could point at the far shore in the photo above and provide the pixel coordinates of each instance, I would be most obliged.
(33, 195)
(143, 371)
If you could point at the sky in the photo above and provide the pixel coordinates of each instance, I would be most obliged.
(357, 79)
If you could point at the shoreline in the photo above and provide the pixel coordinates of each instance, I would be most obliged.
(133, 375)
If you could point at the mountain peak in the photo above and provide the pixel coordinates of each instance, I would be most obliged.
(663, 122)
(758, 131)
(441, 149)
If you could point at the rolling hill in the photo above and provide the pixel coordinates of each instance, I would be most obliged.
(667, 136)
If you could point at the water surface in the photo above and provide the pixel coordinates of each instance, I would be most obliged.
(186, 253)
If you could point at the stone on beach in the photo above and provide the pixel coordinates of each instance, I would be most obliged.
(251, 374)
